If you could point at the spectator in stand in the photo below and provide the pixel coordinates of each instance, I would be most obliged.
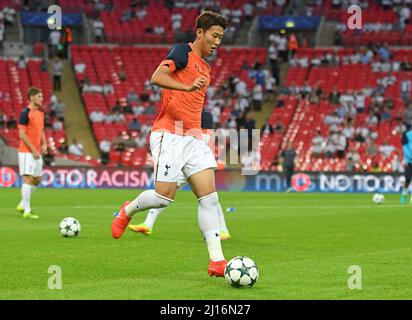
(371, 148)
(216, 113)
(132, 96)
(372, 119)
(64, 148)
(241, 88)
(405, 65)
(360, 102)
(341, 144)
(150, 110)
(48, 158)
(386, 114)
(2, 29)
(59, 109)
(54, 41)
(292, 45)
(332, 119)
(124, 106)
(12, 123)
(384, 53)
(334, 96)
(115, 117)
(122, 74)
(57, 74)
(159, 29)
(3, 120)
(140, 141)
(257, 97)
(267, 128)
(330, 147)
(80, 67)
(386, 149)
(353, 155)
(396, 164)
(349, 129)
(108, 88)
(119, 142)
(138, 109)
(135, 125)
(98, 27)
(21, 62)
(270, 88)
(176, 21)
(248, 9)
(75, 148)
(404, 16)
(57, 125)
(405, 89)
(288, 162)
(318, 143)
(97, 116)
(283, 46)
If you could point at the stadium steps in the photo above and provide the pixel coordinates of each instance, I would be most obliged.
(14, 33)
(327, 34)
(76, 121)
(241, 36)
(268, 104)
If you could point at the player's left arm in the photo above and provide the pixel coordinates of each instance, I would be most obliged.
(43, 149)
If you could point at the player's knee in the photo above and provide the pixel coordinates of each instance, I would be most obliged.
(210, 199)
(28, 180)
(162, 201)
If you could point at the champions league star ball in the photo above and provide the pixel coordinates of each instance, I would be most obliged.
(69, 227)
(378, 198)
(241, 272)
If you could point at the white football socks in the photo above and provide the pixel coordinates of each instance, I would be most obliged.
(147, 200)
(152, 216)
(32, 189)
(222, 222)
(209, 225)
(25, 197)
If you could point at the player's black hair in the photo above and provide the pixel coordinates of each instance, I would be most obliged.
(207, 19)
(33, 91)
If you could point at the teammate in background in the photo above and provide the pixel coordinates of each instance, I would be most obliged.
(32, 146)
(147, 226)
(176, 140)
(407, 155)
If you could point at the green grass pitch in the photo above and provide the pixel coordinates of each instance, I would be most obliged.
(303, 245)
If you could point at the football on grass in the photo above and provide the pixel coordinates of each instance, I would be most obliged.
(69, 227)
(241, 272)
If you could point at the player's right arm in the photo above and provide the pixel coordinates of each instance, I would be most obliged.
(176, 59)
(161, 77)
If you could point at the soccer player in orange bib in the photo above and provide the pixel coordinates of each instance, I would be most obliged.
(32, 146)
(176, 140)
(146, 227)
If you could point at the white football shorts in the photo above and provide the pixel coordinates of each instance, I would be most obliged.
(30, 166)
(177, 157)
